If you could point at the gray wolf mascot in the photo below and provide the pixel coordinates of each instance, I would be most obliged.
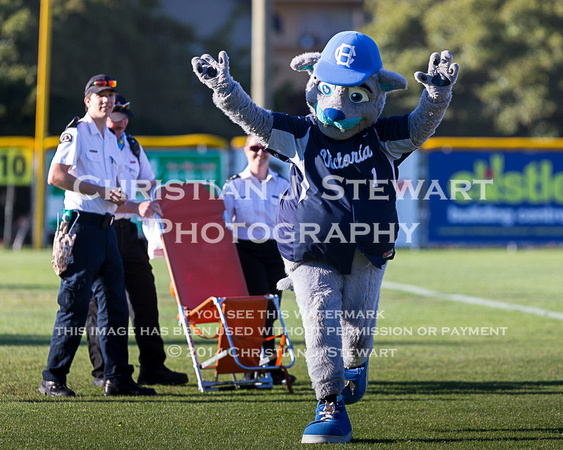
(338, 222)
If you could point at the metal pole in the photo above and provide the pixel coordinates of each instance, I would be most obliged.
(261, 53)
(9, 214)
(41, 121)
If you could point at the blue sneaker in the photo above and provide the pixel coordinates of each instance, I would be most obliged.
(356, 383)
(331, 425)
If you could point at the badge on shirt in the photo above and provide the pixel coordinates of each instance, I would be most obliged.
(66, 138)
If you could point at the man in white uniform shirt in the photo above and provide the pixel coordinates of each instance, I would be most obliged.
(139, 279)
(86, 165)
(251, 201)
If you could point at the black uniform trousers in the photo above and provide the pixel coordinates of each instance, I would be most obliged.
(142, 299)
(94, 264)
(263, 267)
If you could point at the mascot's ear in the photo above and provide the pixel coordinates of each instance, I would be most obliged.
(391, 81)
(306, 61)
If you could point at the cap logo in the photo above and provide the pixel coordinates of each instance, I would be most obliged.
(344, 55)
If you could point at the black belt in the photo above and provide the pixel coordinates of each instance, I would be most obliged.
(102, 220)
(121, 223)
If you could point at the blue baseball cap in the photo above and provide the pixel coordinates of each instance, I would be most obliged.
(348, 59)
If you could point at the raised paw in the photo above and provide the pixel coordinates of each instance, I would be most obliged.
(441, 76)
(213, 73)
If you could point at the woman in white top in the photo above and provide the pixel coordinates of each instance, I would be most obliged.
(251, 200)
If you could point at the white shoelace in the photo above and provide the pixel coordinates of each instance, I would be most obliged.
(329, 411)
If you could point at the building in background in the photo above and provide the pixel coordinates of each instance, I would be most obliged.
(298, 26)
(301, 26)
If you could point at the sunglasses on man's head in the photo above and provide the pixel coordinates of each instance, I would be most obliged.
(122, 105)
(256, 148)
(102, 83)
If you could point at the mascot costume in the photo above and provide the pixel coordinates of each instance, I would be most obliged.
(338, 222)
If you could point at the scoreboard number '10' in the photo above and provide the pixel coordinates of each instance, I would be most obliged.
(15, 166)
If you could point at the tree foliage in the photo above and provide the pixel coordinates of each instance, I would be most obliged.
(510, 54)
(18, 65)
(131, 40)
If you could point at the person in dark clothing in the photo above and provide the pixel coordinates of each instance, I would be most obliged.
(251, 200)
(139, 279)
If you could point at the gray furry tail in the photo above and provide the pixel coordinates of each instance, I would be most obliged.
(285, 284)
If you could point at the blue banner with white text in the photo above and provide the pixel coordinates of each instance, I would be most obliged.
(494, 197)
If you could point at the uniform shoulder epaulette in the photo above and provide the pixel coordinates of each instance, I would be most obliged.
(66, 137)
(73, 123)
(234, 177)
(135, 146)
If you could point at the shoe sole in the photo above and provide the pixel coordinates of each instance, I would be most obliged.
(44, 391)
(321, 439)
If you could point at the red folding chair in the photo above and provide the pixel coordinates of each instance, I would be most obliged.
(208, 284)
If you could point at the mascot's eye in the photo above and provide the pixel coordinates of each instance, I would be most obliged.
(358, 95)
(325, 88)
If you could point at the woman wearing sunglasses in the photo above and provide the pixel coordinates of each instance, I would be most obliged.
(251, 200)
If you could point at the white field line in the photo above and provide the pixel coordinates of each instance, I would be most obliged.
(417, 290)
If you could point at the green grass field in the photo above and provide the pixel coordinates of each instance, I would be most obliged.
(430, 385)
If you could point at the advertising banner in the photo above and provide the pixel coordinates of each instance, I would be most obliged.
(494, 197)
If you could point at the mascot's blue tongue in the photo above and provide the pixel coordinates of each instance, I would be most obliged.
(342, 125)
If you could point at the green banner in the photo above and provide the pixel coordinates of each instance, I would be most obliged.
(191, 165)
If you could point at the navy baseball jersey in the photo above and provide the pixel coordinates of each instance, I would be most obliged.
(341, 193)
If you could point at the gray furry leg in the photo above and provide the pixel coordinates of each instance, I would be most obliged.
(318, 291)
(360, 301)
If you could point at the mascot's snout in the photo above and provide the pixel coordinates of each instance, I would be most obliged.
(334, 114)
